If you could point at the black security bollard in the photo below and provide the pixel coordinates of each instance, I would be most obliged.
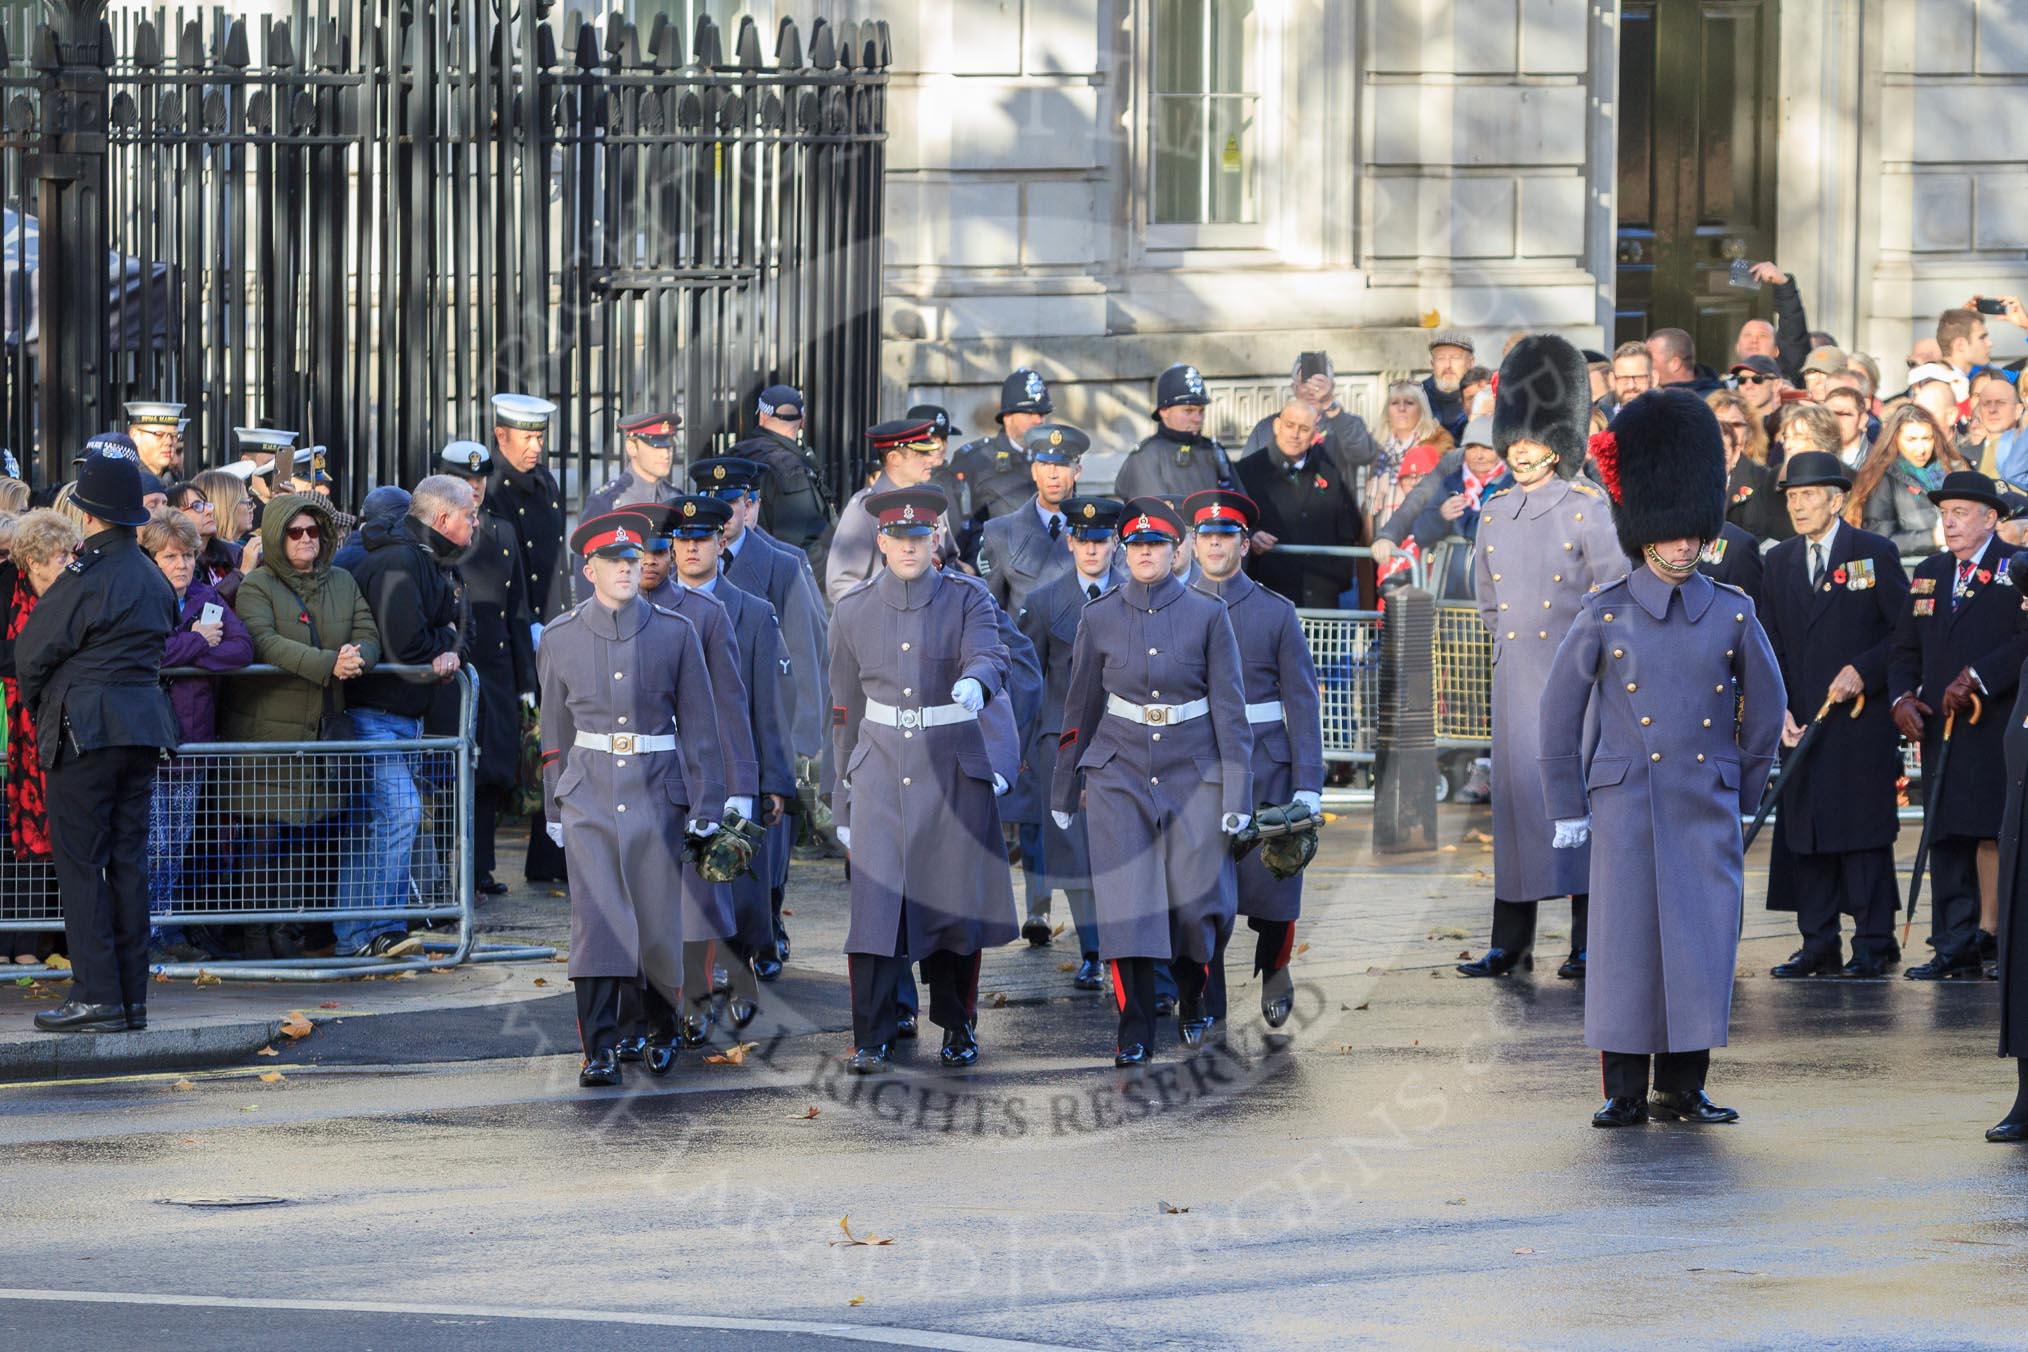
(1405, 763)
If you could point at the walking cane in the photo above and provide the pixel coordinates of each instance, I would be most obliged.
(1943, 758)
(1794, 762)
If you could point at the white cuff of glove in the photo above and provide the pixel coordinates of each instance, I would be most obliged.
(1572, 832)
(742, 805)
(1062, 820)
(844, 835)
(969, 693)
(999, 784)
(704, 830)
(1310, 799)
(1235, 822)
(555, 831)
(528, 698)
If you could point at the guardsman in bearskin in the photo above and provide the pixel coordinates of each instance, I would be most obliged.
(1543, 544)
(631, 767)
(1832, 594)
(1660, 720)
(1050, 618)
(1288, 735)
(914, 659)
(1157, 754)
(1958, 649)
(1178, 459)
(992, 472)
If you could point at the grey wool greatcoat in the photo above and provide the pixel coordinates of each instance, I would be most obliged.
(764, 669)
(1288, 750)
(1016, 555)
(638, 670)
(1049, 621)
(1689, 706)
(1162, 874)
(1537, 556)
(919, 801)
(1023, 799)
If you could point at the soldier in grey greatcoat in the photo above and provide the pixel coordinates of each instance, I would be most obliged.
(914, 659)
(1660, 721)
(649, 441)
(907, 449)
(1280, 680)
(621, 680)
(1049, 619)
(1543, 544)
(1156, 751)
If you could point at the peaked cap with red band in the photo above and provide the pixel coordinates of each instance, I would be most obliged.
(1150, 520)
(612, 535)
(908, 511)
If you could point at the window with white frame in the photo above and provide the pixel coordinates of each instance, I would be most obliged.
(1204, 116)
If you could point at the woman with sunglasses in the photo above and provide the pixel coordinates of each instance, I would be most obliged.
(217, 558)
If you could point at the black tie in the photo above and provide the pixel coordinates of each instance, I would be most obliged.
(1091, 590)
(1055, 527)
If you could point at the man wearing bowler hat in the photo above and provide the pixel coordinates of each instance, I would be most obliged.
(1831, 595)
(89, 663)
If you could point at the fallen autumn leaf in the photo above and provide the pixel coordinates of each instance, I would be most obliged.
(271, 1077)
(296, 1026)
(852, 1241)
(182, 1085)
(732, 1056)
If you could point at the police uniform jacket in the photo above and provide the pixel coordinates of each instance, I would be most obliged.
(1844, 795)
(1689, 706)
(636, 671)
(1169, 464)
(926, 841)
(625, 491)
(533, 505)
(89, 659)
(1934, 640)
(1049, 621)
(502, 650)
(1734, 558)
(1288, 747)
(993, 479)
(855, 552)
(793, 504)
(1154, 796)
(1536, 557)
(1317, 504)
(1017, 555)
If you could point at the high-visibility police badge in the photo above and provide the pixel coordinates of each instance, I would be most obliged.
(1193, 382)
(1035, 387)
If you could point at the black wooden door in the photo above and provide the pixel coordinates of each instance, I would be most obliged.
(1697, 127)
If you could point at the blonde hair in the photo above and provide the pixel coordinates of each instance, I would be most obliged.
(14, 496)
(168, 526)
(67, 508)
(1756, 430)
(44, 535)
(1428, 431)
(225, 492)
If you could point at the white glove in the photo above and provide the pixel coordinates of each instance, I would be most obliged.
(999, 784)
(1235, 822)
(969, 693)
(528, 698)
(742, 805)
(1062, 820)
(844, 834)
(555, 830)
(1572, 832)
(704, 830)
(535, 634)
(1310, 799)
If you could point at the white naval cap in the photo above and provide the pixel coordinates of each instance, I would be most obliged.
(523, 411)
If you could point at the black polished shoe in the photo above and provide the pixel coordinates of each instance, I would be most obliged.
(1572, 968)
(1498, 962)
(1948, 967)
(1669, 1105)
(766, 966)
(904, 1027)
(1090, 974)
(1621, 1112)
(1133, 1054)
(961, 1048)
(1805, 964)
(2008, 1133)
(1165, 1005)
(1863, 968)
(1276, 1010)
(1200, 1030)
(599, 1072)
(137, 1018)
(696, 1029)
(658, 1054)
(1036, 930)
(721, 981)
(742, 1010)
(781, 943)
(73, 1016)
(489, 888)
(1989, 947)
(629, 1048)
(867, 1060)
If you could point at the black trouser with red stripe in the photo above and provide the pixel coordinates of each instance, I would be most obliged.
(1134, 992)
(1274, 941)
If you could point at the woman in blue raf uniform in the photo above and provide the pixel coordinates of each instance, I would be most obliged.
(914, 658)
(1156, 750)
(1689, 708)
(621, 682)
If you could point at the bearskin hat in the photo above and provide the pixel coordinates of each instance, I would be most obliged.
(1663, 462)
(1544, 395)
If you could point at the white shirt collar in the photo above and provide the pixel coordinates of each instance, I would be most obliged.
(1829, 536)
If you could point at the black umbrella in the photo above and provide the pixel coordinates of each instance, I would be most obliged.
(1793, 762)
(1935, 788)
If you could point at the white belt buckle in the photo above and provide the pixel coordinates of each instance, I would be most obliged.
(1155, 715)
(623, 744)
(911, 718)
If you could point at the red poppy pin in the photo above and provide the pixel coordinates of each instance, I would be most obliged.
(1322, 482)
(1985, 575)
(1838, 576)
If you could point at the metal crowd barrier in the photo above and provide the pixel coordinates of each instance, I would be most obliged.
(1345, 646)
(272, 833)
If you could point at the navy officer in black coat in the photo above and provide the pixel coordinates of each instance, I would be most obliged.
(89, 664)
(1831, 598)
(1960, 636)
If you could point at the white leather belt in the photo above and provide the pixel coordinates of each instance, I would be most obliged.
(627, 743)
(1271, 712)
(928, 716)
(1156, 715)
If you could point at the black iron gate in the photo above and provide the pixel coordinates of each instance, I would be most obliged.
(362, 221)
